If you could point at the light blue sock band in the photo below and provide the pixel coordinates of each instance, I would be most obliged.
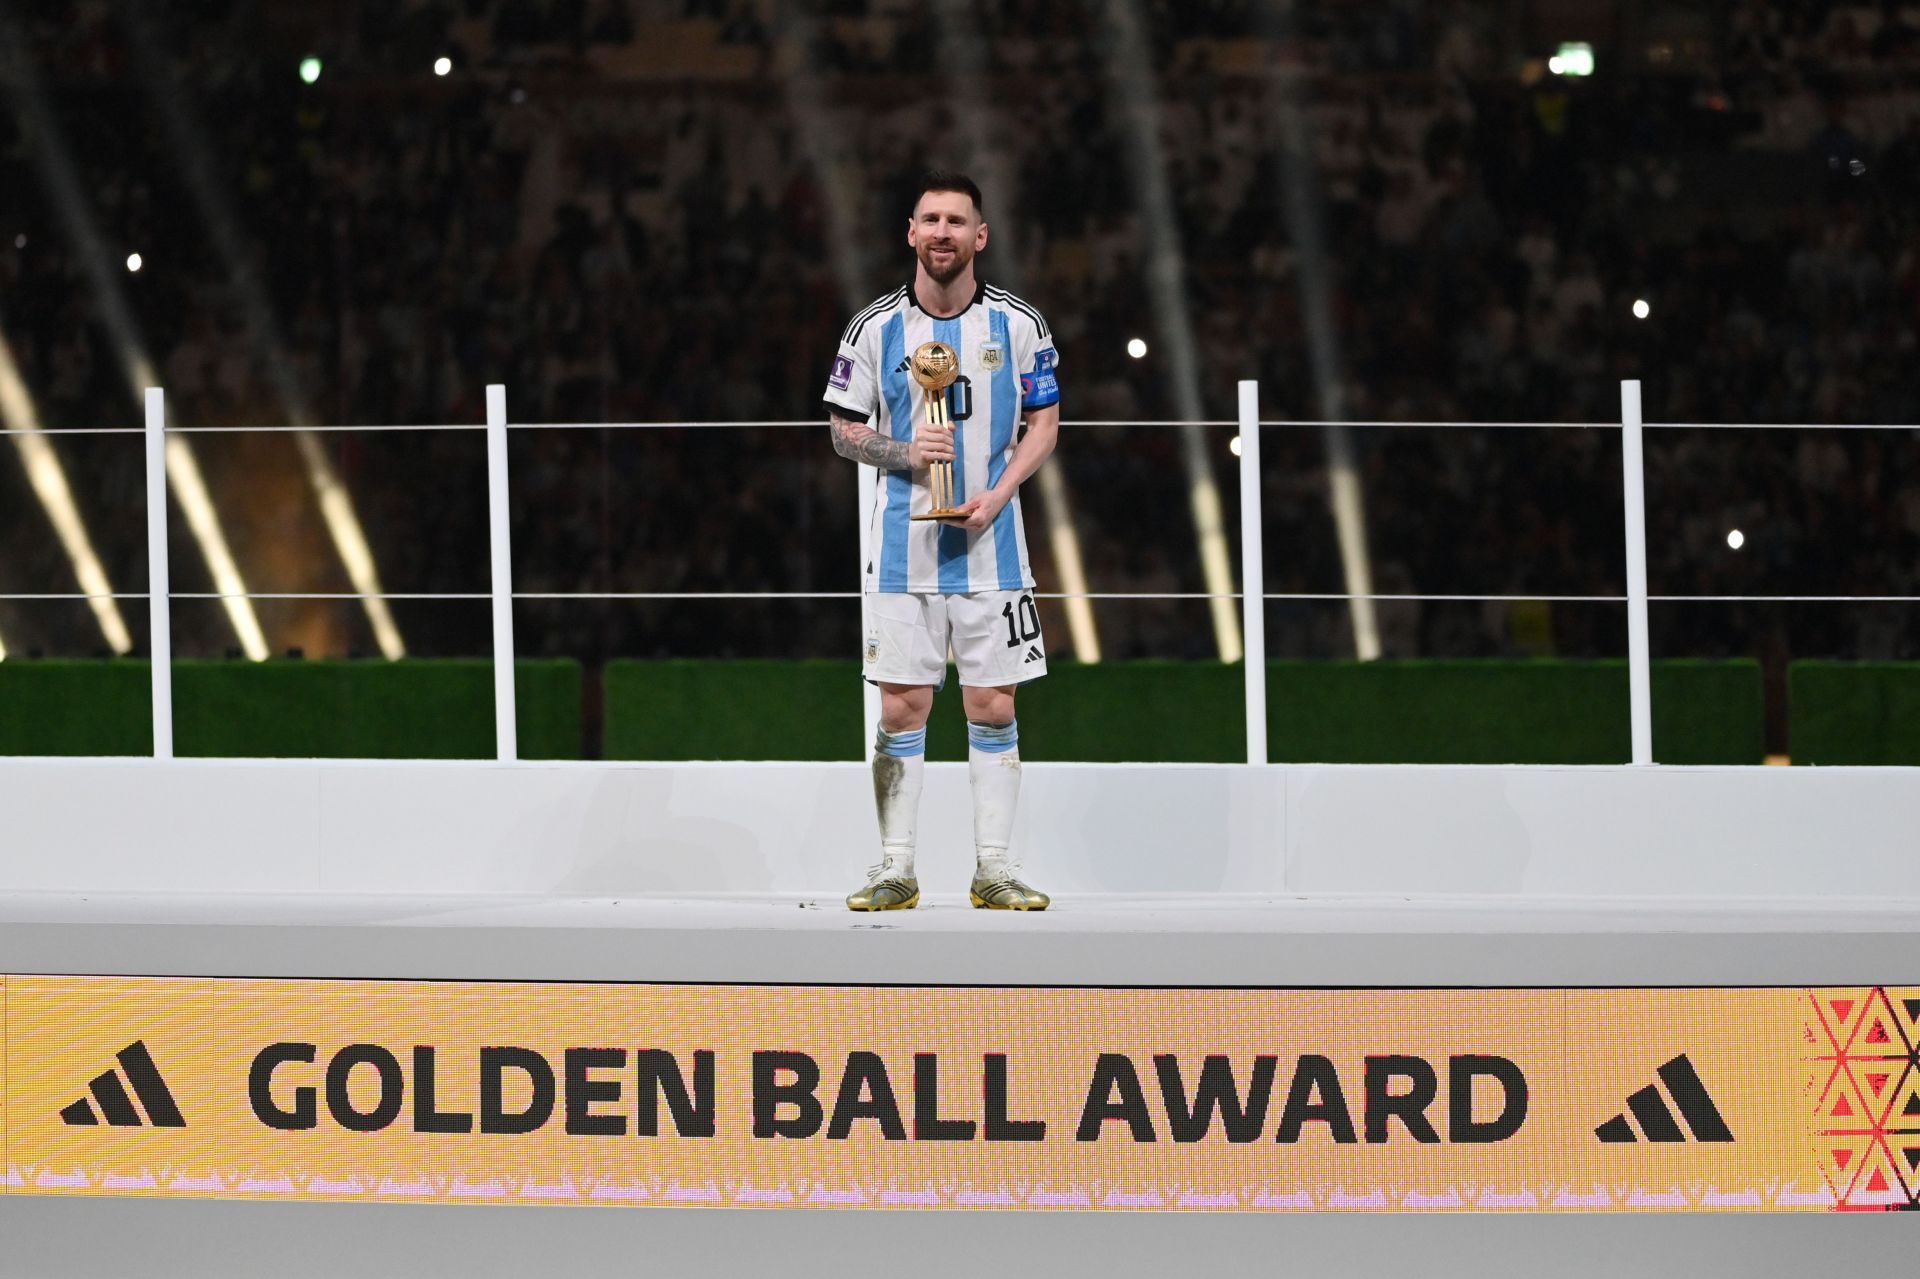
(901, 745)
(994, 739)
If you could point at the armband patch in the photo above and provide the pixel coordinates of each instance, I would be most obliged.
(1041, 387)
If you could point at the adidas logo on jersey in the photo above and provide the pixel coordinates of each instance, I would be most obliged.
(901, 367)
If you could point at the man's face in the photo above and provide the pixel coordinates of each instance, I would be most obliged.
(945, 232)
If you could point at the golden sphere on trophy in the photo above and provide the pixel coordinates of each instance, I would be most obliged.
(935, 365)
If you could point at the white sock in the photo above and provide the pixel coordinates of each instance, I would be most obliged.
(993, 765)
(899, 763)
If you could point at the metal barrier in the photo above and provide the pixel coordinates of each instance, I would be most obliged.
(501, 594)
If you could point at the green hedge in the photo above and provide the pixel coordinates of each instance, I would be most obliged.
(1854, 712)
(417, 709)
(1544, 712)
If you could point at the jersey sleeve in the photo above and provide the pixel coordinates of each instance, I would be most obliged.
(853, 388)
(1039, 365)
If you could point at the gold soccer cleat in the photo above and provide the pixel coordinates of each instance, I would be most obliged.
(887, 888)
(1002, 890)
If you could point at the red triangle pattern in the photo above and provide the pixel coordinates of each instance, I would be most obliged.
(1840, 1158)
(1842, 1108)
(1862, 1112)
(1838, 1013)
(1878, 1183)
(1880, 1034)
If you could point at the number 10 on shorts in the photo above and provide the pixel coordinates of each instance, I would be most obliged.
(1023, 621)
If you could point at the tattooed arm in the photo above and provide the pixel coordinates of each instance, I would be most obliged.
(859, 442)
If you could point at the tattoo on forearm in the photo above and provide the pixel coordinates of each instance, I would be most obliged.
(864, 444)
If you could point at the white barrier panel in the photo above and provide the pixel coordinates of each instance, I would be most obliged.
(593, 830)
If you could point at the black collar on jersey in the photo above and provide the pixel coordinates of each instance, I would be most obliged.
(979, 291)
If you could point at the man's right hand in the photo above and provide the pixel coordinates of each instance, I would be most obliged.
(930, 444)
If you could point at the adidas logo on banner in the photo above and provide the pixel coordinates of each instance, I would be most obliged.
(1657, 1122)
(111, 1095)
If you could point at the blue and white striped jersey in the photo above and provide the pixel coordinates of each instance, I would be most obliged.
(1007, 362)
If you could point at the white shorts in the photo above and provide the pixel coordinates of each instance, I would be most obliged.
(994, 635)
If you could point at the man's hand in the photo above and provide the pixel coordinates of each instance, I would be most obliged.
(930, 444)
(979, 511)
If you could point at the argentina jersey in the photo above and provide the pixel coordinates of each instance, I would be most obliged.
(1007, 363)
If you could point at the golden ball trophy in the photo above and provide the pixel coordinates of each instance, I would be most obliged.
(935, 366)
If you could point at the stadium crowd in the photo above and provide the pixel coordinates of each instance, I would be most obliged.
(663, 211)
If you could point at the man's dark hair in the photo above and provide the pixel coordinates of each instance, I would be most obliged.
(949, 180)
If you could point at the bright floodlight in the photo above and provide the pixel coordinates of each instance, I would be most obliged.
(1640, 309)
(134, 262)
(1136, 347)
(1233, 446)
(309, 69)
(1574, 58)
(442, 65)
(1736, 539)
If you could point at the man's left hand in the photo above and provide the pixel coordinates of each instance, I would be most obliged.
(979, 511)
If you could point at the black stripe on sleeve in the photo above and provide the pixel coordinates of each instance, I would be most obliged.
(852, 415)
(1039, 324)
(859, 322)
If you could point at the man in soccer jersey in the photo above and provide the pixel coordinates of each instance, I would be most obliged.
(962, 582)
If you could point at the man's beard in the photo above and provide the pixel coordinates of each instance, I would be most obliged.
(953, 270)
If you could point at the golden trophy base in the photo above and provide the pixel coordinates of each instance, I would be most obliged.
(939, 515)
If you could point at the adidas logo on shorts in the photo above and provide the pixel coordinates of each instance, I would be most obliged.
(1033, 654)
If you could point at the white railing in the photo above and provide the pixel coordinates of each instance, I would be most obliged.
(501, 594)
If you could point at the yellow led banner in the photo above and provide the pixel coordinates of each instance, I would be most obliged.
(1518, 1100)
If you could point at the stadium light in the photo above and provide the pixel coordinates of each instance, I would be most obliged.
(48, 480)
(442, 65)
(1574, 58)
(1137, 347)
(1640, 309)
(309, 70)
(1133, 98)
(1736, 539)
(1233, 446)
(1300, 192)
(20, 80)
(135, 262)
(20, 241)
(335, 502)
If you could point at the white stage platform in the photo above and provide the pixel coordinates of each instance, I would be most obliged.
(1229, 875)
(1285, 876)
(1091, 940)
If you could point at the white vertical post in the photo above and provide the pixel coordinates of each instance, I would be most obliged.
(1253, 581)
(868, 481)
(1639, 680)
(505, 728)
(159, 602)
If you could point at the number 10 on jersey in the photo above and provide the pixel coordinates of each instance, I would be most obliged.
(935, 365)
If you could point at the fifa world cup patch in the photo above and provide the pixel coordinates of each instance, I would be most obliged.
(842, 375)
